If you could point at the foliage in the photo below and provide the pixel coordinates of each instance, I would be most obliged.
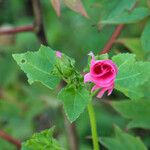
(26, 109)
(42, 140)
(131, 75)
(123, 141)
(75, 101)
(138, 111)
(39, 66)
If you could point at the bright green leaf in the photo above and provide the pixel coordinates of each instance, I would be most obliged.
(123, 141)
(42, 141)
(145, 40)
(131, 74)
(138, 111)
(128, 16)
(39, 66)
(75, 101)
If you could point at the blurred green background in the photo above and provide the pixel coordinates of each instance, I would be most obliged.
(26, 109)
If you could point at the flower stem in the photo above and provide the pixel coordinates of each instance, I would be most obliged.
(93, 126)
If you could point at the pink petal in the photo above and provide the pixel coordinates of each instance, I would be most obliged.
(87, 78)
(101, 93)
(95, 87)
(110, 90)
(58, 54)
(110, 62)
(102, 83)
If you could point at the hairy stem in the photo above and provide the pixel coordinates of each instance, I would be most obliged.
(93, 126)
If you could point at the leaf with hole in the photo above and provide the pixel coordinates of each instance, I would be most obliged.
(39, 66)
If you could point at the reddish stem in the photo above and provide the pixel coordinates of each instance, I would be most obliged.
(10, 139)
(27, 28)
(112, 39)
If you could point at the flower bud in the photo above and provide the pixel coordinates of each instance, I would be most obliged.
(64, 64)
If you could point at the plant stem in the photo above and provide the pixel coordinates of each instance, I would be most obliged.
(10, 139)
(14, 30)
(93, 126)
(112, 39)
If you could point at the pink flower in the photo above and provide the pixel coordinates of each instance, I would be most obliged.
(102, 74)
(58, 54)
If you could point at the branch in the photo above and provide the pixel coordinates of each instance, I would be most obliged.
(38, 25)
(10, 139)
(112, 39)
(27, 28)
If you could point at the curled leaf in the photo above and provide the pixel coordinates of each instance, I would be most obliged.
(56, 6)
(77, 6)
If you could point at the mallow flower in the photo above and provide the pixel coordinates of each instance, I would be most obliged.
(102, 74)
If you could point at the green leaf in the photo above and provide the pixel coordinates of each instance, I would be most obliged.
(131, 75)
(102, 57)
(134, 45)
(123, 141)
(138, 111)
(42, 141)
(145, 40)
(7, 74)
(119, 6)
(75, 101)
(128, 16)
(39, 66)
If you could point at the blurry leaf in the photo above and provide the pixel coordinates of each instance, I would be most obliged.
(7, 74)
(134, 45)
(119, 7)
(145, 38)
(39, 66)
(56, 6)
(6, 145)
(42, 141)
(8, 110)
(128, 17)
(75, 101)
(76, 5)
(131, 74)
(102, 57)
(123, 141)
(138, 111)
